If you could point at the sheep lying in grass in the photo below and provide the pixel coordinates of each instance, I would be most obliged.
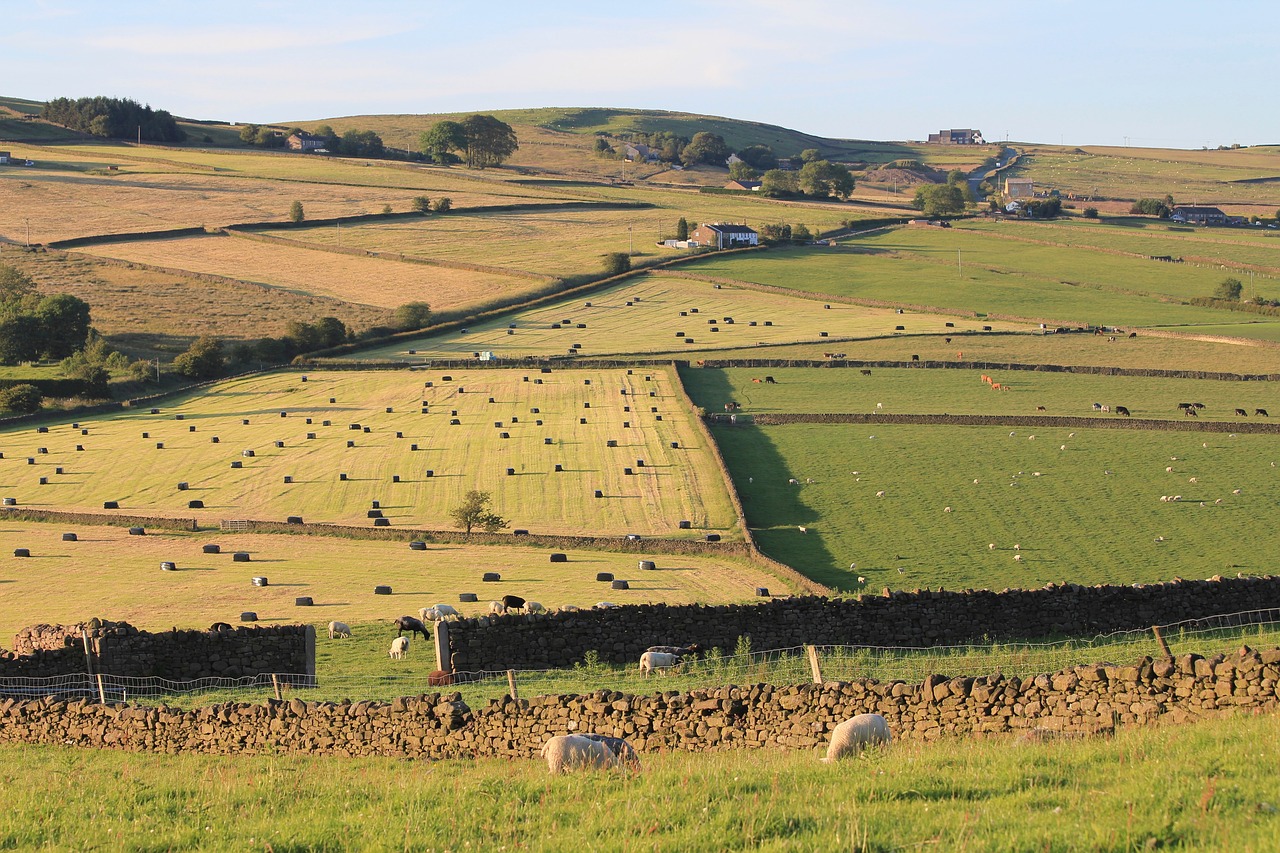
(852, 736)
(571, 752)
(651, 661)
(399, 648)
(339, 629)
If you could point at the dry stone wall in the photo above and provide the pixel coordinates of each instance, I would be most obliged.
(922, 618)
(1082, 700)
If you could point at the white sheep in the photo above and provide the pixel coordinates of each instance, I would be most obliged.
(880, 493)
(429, 614)
(497, 608)
(991, 546)
(650, 661)
(802, 528)
(399, 648)
(604, 605)
(852, 736)
(1017, 558)
(570, 752)
(570, 608)
(446, 611)
(534, 607)
(1168, 469)
(339, 629)
(946, 509)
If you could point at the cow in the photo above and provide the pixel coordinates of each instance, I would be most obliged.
(1191, 413)
(1261, 413)
(865, 372)
(1121, 410)
(1241, 413)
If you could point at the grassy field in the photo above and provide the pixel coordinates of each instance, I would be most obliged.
(651, 323)
(360, 280)
(110, 574)
(1089, 513)
(962, 392)
(149, 314)
(118, 463)
(951, 270)
(1215, 791)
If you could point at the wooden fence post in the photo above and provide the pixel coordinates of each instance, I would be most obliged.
(1164, 647)
(275, 682)
(511, 684)
(812, 651)
(102, 693)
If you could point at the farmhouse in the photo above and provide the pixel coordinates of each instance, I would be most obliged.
(639, 152)
(753, 186)
(303, 141)
(722, 235)
(1199, 215)
(1019, 188)
(957, 136)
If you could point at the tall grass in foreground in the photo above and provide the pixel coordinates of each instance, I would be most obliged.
(1208, 786)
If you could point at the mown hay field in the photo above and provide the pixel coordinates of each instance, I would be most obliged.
(114, 575)
(362, 280)
(118, 463)
(653, 319)
(962, 392)
(1083, 505)
(1216, 791)
(952, 270)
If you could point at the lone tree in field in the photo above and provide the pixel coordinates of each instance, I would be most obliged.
(682, 229)
(1229, 288)
(474, 512)
(295, 212)
(939, 200)
(489, 141)
(616, 263)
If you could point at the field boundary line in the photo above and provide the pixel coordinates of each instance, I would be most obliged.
(1095, 370)
(1044, 421)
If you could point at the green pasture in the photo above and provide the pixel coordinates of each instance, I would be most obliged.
(119, 463)
(1083, 505)
(953, 271)
(110, 574)
(653, 319)
(1207, 786)
(962, 392)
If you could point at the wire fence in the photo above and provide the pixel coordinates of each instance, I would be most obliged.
(794, 665)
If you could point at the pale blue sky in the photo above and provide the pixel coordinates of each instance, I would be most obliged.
(1171, 73)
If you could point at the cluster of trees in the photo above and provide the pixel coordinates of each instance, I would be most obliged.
(426, 204)
(782, 233)
(115, 118)
(482, 139)
(1153, 207)
(665, 145)
(351, 143)
(33, 326)
(817, 178)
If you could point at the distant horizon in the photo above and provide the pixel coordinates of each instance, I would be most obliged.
(1058, 72)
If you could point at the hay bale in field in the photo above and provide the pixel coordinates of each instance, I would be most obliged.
(191, 428)
(31, 460)
(395, 478)
(183, 486)
(351, 444)
(620, 584)
(168, 566)
(538, 422)
(399, 435)
(155, 411)
(211, 549)
(627, 472)
(535, 411)
(284, 414)
(611, 443)
(311, 435)
(22, 552)
(326, 423)
(44, 481)
(237, 464)
(382, 522)
(762, 592)
(713, 537)
(248, 616)
(648, 565)
(582, 420)
(390, 410)
(467, 597)
(159, 445)
(545, 370)
(511, 472)
(374, 513)
(279, 444)
(342, 478)
(559, 468)
(639, 463)
(417, 546)
(196, 504)
(504, 435)
(244, 421)
(455, 422)
(293, 519)
(368, 429)
(382, 589)
(413, 447)
(685, 525)
(303, 601)
(430, 473)
(491, 577)
(137, 531)
(240, 557)
(247, 453)
(178, 417)
(604, 577)
(260, 581)
(599, 493)
(10, 501)
(520, 531)
(675, 445)
(288, 479)
(110, 504)
(333, 399)
(146, 435)
(547, 441)
(70, 537)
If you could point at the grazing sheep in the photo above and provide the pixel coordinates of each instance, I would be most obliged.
(1017, 558)
(1121, 410)
(497, 608)
(1168, 469)
(399, 648)
(991, 546)
(802, 528)
(623, 751)
(429, 614)
(1041, 409)
(339, 629)
(570, 752)
(1017, 547)
(1235, 491)
(946, 509)
(650, 661)
(413, 626)
(444, 611)
(1192, 480)
(793, 482)
(534, 607)
(513, 602)
(880, 493)
(852, 736)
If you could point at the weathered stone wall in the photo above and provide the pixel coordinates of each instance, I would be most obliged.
(120, 649)
(925, 618)
(1084, 699)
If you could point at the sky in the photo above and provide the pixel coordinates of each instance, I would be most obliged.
(1161, 74)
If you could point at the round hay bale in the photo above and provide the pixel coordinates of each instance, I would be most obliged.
(159, 445)
(582, 420)
(648, 565)
(417, 546)
(413, 447)
(382, 590)
(382, 522)
(326, 423)
(10, 501)
(22, 552)
(244, 421)
(374, 513)
(604, 577)
(333, 399)
(559, 558)
(213, 439)
(248, 616)
(686, 525)
(183, 486)
(368, 429)
(390, 410)
(155, 411)
(611, 443)
(211, 549)
(191, 429)
(168, 566)
(504, 435)
(311, 435)
(44, 481)
(467, 597)
(137, 531)
(178, 417)
(511, 472)
(675, 445)
(455, 422)
(713, 537)
(351, 444)
(279, 444)
(620, 585)
(430, 473)
(520, 531)
(599, 493)
(639, 463)
(762, 592)
(240, 557)
(260, 581)
(69, 537)
(535, 423)
(284, 414)
(342, 477)
(288, 479)
(559, 468)
(547, 441)
(31, 460)
(237, 464)
(628, 472)
(491, 577)
(303, 601)
(395, 478)
(195, 504)
(293, 519)
(110, 504)
(399, 435)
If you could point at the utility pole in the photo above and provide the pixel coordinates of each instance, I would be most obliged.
(631, 243)
(28, 233)
(959, 266)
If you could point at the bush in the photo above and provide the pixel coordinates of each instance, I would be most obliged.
(1229, 288)
(295, 212)
(440, 205)
(21, 398)
(616, 263)
(1091, 213)
(421, 203)
(412, 315)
